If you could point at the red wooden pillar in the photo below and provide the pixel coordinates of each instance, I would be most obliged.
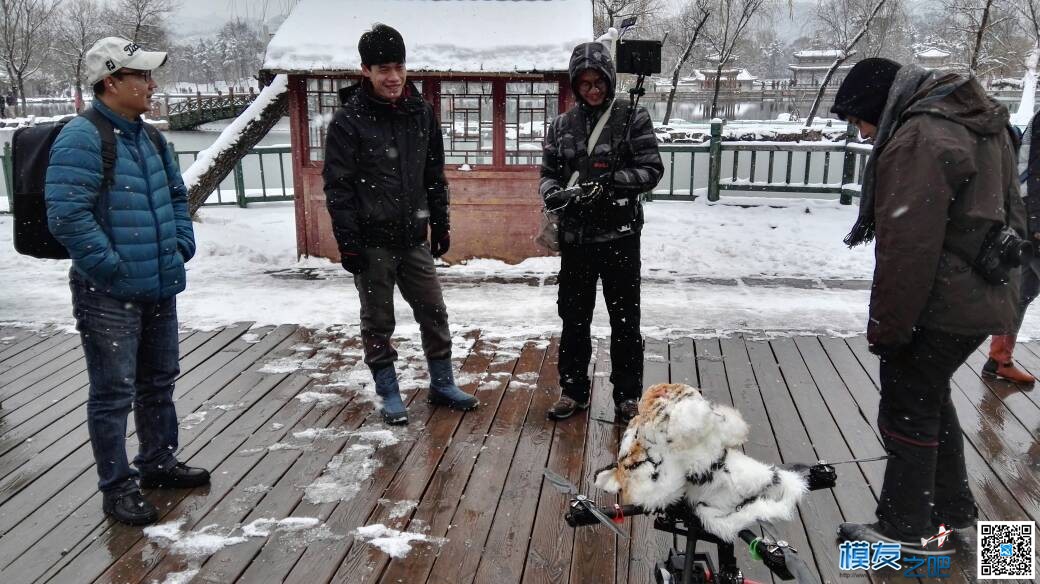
(498, 122)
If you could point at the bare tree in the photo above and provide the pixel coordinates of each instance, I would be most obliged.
(605, 13)
(142, 21)
(972, 25)
(839, 16)
(688, 23)
(23, 38)
(79, 26)
(729, 22)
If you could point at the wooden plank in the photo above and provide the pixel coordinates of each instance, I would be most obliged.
(507, 544)
(81, 530)
(820, 513)
(33, 364)
(808, 374)
(595, 546)
(1004, 443)
(58, 368)
(446, 480)
(421, 476)
(275, 562)
(22, 340)
(32, 347)
(252, 430)
(647, 545)
(552, 540)
(851, 425)
(48, 481)
(1023, 402)
(472, 518)
(726, 369)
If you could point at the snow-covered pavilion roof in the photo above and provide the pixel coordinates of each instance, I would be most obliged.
(818, 54)
(440, 35)
(933, 54)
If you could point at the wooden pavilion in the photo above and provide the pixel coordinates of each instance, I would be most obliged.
(495, 72)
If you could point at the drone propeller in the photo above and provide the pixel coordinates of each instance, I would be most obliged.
(579, 500)
(561, 483)
(795, 565)
(798, 568)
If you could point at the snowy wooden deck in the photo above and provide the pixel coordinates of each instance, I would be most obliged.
(475, 480)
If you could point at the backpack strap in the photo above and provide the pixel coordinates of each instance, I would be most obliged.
(108, 145)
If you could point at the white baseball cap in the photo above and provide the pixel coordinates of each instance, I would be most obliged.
(111, 54)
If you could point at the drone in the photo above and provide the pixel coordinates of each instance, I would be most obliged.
(689, 566)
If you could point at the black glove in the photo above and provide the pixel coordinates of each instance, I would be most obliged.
(440, 241)
(886, 352)
(354, 261)
(560, 197)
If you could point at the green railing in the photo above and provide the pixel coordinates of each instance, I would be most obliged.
(271, 188)
(715, 166)
(274, 185)
(691, 170)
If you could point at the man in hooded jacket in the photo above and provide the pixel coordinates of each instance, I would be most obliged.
(601, 217)
(941, 177)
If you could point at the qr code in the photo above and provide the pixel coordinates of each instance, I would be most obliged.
(1007, 550)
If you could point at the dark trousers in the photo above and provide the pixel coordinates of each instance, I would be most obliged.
(617, 263)
(411, 270)
(926, 482)
(131, 352)
(1030, 287)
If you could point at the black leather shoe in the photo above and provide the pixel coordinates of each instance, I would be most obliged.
(625, 411)
(181, 476)
(130, 508)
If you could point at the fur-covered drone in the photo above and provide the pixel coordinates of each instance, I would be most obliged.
(682, 445)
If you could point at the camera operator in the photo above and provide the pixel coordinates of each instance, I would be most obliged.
(600, 221)
(1000, 364)
(941, 195)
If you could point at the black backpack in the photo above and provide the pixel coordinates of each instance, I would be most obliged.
(31, 153)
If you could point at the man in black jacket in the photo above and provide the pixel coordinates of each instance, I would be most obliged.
(601, 217)
(385, 188)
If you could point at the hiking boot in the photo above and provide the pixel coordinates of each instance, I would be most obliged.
(626, 410)
(130, 508)
(565, 407)
(394, 411)
(444, 392)
(875, 532)
(180, 476)
(1007, 371)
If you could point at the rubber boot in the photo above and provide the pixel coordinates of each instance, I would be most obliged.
(394, 411)
(443, 391)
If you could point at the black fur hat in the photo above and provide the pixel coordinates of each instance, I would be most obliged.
(381, 45)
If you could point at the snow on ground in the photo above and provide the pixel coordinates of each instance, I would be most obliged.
(395, 543)
(707, 269)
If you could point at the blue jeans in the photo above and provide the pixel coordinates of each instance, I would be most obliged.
(132, 362)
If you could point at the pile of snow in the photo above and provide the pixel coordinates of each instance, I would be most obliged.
(343, 475)
(203, 542)
(394, 543)
(264, 527)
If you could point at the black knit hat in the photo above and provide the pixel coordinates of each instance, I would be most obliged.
(864, 91)
(381, 45)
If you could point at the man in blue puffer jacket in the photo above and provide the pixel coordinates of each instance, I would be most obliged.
(128, 243)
